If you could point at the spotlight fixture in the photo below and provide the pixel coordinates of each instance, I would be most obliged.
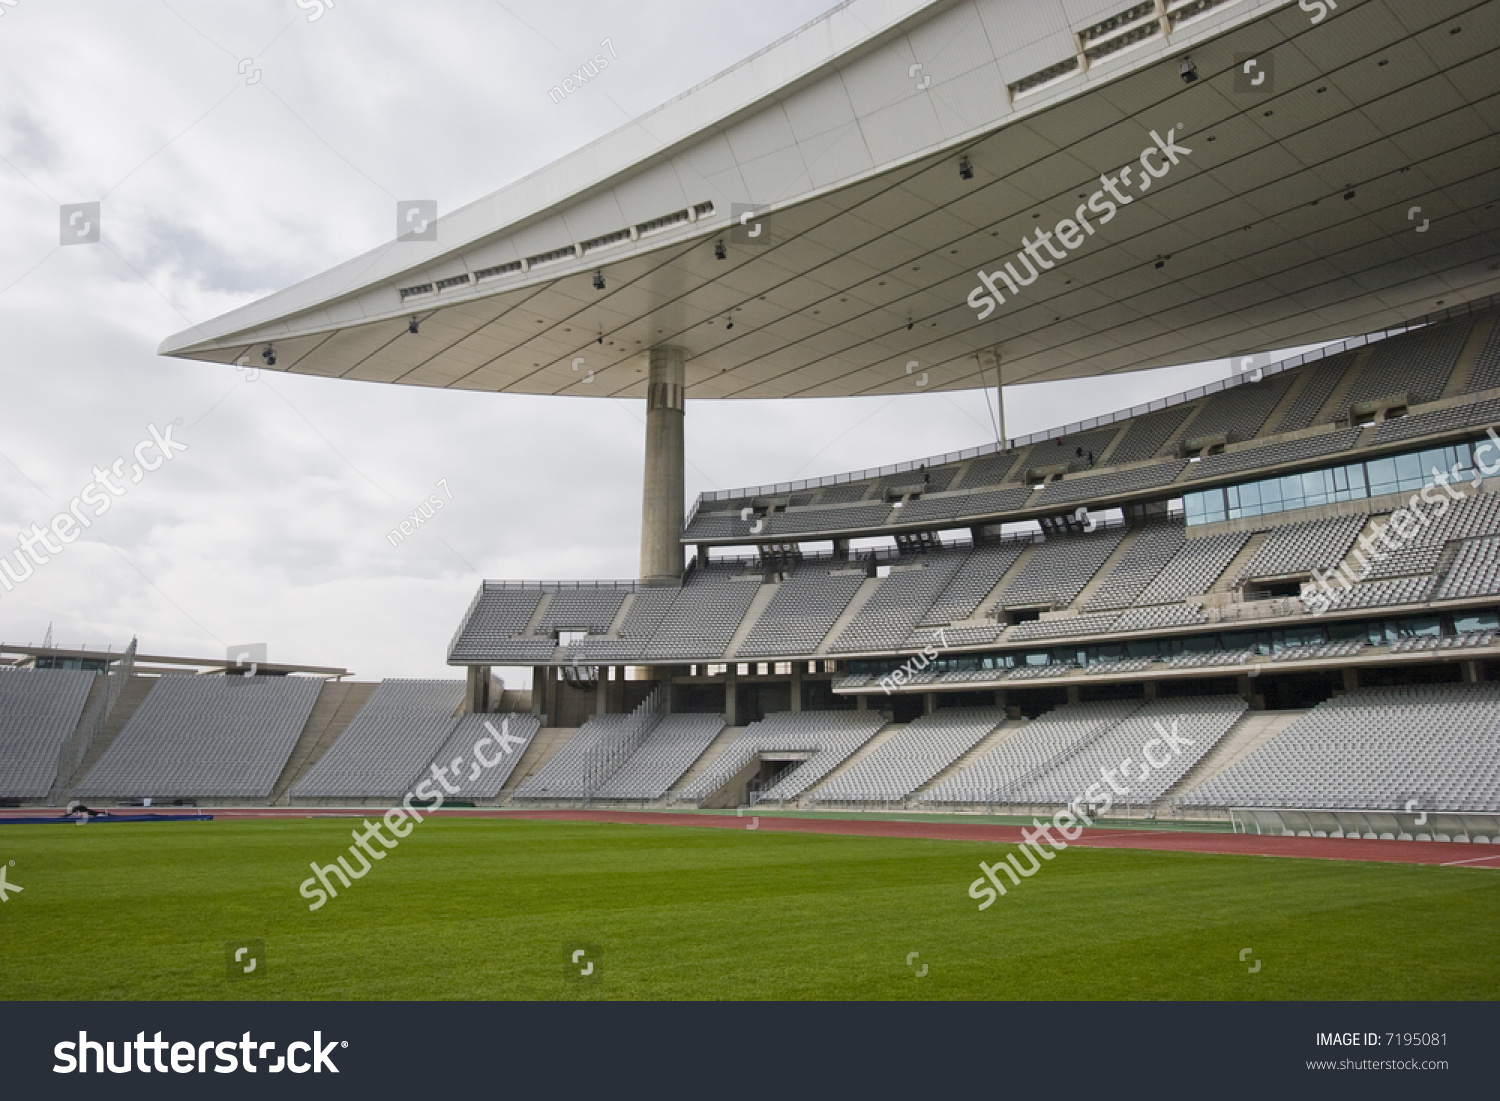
(731, 323)
(909, 322)
(269, 355)
(1348, 194)
(965, 169)
(720, 252)
(1187, 70)
(598, 280)
(411, 326)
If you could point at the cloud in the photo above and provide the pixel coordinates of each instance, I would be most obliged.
(273, 526)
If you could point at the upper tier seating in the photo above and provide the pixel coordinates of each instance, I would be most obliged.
(1375, 749)
(1473, 516)
(1060, 569)
(583, 609)
(1154, 547)
(898, 604)
(500, 613)
(1477, 414)
(1486, 375)
(1475, 571)
(990, 470)
(1274, 454)
(1417, 364)
(1194, 568)
(205, 736)
(1113, 483)
(398, 732)
(1240, 411)
(1146, 434)
(980, 573)
(705, 615)
(1322, 380)
(1070, 451)
(954, 506)
(39, 709)
(1310, 545)
(800, 614)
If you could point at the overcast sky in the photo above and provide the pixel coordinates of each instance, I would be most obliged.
(237, 148)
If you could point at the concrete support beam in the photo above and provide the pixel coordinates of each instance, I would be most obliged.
(538, 690)
(663, 485)
(1073, 693)
(1351, 679)
(861, 703)
(477, 690)
(929, 703)
(797, 668)
(1150, 690)
(601, 692)
(731, 690)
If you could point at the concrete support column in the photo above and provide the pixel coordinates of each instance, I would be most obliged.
(731, 690)
(797, 668)
(477, 690)
(601, 692)
(538, 690)
(929, 703)
(1150, 687)
(662, 488)
(1351, 679)
(861, 703)
(1073, 693)
(1471, 672)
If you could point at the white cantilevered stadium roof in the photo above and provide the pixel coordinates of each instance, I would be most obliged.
(1290, 221)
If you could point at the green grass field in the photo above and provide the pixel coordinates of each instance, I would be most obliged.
(491, 909)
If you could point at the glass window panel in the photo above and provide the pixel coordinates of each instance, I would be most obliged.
(1419, 627)
(1409, 471)
(1382, 475)
(1476, 621)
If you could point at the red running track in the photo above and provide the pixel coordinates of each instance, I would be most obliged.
(1443, 853)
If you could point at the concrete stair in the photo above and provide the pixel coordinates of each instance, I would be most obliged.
(1004, 732)
(1227, 580)
(758, 604)
(1336, 399)
(1254, 730)
(336, 706)
(1288, 399)
(548, 740)
(131, 697)
(88, 721)
(706, 759)
(861, 598)
(983, 613)
(1468, 359)
(883, 735)
(1101, 575)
